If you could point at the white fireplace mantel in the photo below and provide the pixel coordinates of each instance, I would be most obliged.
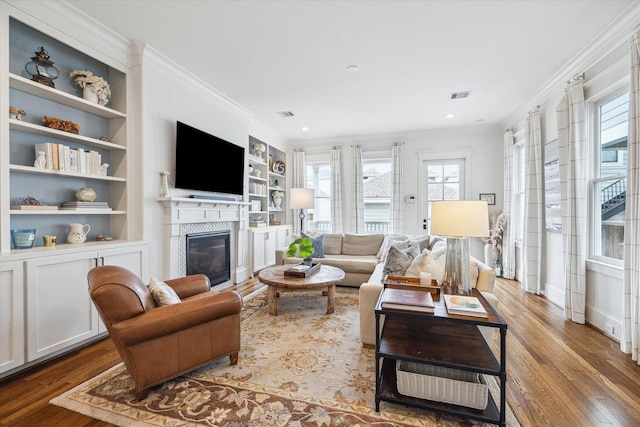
(182, 214)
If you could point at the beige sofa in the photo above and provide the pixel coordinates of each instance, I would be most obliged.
(361, 258)
(355, 254)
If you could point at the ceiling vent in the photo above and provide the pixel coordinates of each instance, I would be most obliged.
(285, 113)
(459, 95)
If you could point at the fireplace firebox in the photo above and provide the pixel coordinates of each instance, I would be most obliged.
(209, 254)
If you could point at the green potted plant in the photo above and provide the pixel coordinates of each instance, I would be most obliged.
(302, 246)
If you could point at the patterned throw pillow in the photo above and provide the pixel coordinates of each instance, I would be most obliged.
(162, 293)
(318, 244)
(398, 260)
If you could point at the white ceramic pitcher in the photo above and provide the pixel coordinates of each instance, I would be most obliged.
(78, 233)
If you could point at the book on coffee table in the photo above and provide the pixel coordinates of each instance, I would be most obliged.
(464, 305)
(407, 299)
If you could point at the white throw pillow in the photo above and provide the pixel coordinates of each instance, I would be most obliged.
(162, 293)
(425, 263)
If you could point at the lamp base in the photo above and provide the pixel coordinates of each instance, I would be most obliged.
(301, 216)
(456, 268)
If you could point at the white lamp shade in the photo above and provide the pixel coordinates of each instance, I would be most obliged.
(301, 198)
(460, 218)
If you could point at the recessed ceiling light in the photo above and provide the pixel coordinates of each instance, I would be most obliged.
(352, 68)
(479, 120)
(285, 113)
(449, 116)
(305, 129)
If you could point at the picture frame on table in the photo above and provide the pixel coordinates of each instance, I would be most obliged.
(490, 198)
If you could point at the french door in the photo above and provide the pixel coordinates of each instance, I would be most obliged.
(442, 179)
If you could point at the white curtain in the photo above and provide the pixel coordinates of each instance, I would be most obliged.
(533, 204)
(630, 338)
(397, 190)
(336, 193)
(358, 199)
(298, 181)
(573, 151)
(508, 239)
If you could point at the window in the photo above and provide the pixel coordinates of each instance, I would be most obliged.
(609, 183)
(318, 177)
(518, 190)
(376, 187)
(444, 181)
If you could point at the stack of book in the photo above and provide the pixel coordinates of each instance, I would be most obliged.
(407, 299)
(465, 306)
(85, 206)
(257, 223)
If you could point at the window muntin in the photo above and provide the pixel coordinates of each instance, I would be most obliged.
(444, 181)
(609, 182)
(318, 177)
(376, 188)
(518, 190)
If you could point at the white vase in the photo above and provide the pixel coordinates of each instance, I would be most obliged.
(277, 201)
(490, 254)
(89, 94)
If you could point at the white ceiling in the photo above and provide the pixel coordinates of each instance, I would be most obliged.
(271, 56)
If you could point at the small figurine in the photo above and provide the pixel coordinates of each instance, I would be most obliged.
(41, 160)
(103, 169)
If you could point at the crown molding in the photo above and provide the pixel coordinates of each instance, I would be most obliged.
(169, 68)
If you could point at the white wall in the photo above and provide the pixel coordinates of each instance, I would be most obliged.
(484, 143)
(171, 94)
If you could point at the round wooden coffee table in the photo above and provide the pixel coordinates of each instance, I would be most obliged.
(325, 278)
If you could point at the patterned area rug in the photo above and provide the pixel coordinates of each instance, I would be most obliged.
(301, 368)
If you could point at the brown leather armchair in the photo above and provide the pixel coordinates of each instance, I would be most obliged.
(161, 343)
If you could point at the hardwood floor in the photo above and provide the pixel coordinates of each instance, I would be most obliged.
(559, 373)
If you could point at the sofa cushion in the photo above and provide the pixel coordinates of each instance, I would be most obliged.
(365, 264)
(398, 260)
(332, 244)
(162, 293)
(425, 263)
(423, 240)
(317, 242)
(361, 244)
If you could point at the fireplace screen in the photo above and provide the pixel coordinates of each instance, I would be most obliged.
(209, 254)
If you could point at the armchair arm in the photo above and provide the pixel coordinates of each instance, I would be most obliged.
(169, 319)
(189, 286)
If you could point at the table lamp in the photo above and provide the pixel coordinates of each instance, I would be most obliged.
(458, 220)
(301, 198)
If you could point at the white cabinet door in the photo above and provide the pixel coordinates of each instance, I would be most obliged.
(133, 258)
(11, 315)
(263, 245)
(283, 236)
(270, 243)
(60, 312)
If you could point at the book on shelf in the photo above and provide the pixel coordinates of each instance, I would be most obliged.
(34, 208)
(257, 224)
(407, 299)
(464, 305)
(78, 205)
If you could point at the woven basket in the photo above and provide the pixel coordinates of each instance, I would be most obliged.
(442, 384)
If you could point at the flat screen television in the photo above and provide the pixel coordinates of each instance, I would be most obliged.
(207, 163)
